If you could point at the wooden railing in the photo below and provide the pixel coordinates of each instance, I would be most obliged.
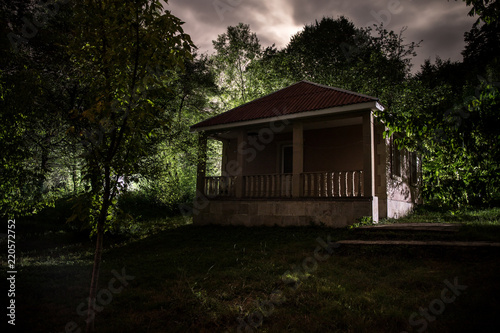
(332, 184)
(328, 184)
(275, 185)
(220, 186)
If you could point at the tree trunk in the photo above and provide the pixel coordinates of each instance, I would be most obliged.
(73, 175)
(96, 269)
(98, 251)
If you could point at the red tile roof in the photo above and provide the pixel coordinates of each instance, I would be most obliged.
(302, 96)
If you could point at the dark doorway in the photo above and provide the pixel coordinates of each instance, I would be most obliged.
(287, 159)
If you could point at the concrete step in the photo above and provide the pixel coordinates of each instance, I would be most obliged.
(420, 243)
(439, 227)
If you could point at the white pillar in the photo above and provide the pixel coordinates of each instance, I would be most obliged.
(369, 163)
(368, 156)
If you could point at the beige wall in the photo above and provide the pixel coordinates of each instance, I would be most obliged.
(333, 149)
(397, 194)
(329, 149)
(230, 151)
(259, 157)
(266, 160)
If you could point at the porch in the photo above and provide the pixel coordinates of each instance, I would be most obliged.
(306, 172)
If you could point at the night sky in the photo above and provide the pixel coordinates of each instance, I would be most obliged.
(439, 23)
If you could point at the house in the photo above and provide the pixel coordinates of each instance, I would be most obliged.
(306, 154)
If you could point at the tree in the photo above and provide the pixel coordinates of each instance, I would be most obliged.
(482, 47)
(337, 53)
(270, 71)
(235, 51)
(455, 119)
(325, 51)
(126, 55)
(487, 10)
(168, 175)
(32, 129)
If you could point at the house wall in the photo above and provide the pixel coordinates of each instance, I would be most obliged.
(397, 195)
(333, 213)
(230, 153)
(333, 149)
(267, 154)
(336, 149)
(328, 149)
(402, 192)
(260, 155)
(382, 164)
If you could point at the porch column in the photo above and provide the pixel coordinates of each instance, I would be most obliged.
(298, 158)
(240, 163)
(224, 158)
(202, 163)
(368, 155)
(369, 163)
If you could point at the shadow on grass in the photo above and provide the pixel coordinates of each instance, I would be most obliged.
(194, 278)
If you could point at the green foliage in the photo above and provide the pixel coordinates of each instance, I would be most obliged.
(373, 61)
(364, 220)
(167, 176)
(127, 56)
(114, 109)
(36, 153)
(236, 50)
(487, 10)
(172, 182)
(53, 140)
(452, 119)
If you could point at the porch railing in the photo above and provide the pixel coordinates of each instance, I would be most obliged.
(332, 184)
(220, 186)
(328, 184)
(274, 185)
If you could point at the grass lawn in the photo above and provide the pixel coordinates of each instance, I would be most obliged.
(171, 276)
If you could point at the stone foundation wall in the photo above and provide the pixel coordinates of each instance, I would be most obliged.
(397, 209)
(332, 212)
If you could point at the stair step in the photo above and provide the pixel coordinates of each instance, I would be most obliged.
(419, 243)
(446, 227)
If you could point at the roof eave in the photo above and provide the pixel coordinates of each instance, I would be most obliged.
(372, 105)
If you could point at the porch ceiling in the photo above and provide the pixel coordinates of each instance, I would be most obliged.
(333, 123)
(309, 125)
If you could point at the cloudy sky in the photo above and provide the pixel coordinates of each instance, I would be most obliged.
(439, 23)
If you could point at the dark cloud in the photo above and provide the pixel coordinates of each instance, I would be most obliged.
(440, 24)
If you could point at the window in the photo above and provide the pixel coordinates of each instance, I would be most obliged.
(395, 159)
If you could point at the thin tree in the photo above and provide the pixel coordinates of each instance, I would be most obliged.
(125, 54)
